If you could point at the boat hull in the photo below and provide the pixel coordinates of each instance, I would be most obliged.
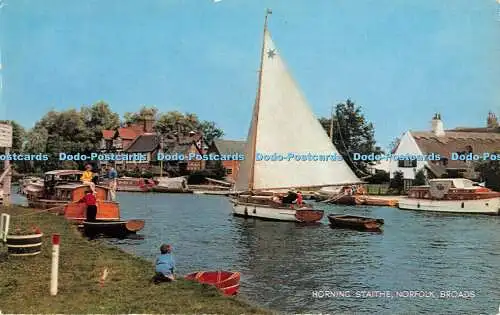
(278, 214)
(227, 282)
(159, 189)
(477, 206)
(355, 223)
(112, 228)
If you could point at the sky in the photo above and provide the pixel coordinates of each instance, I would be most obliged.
(400, 60)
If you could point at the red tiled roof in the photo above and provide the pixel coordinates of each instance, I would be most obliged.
(127, 133)
(108, 134)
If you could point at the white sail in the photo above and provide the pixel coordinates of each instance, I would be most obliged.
(285, 124)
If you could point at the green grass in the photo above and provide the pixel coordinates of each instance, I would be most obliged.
(24, 281)
(375, 189)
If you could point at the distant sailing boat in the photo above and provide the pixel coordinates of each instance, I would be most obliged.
(282, 123)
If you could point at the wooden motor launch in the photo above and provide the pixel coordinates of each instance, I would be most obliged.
(454, 195)
(283, 122)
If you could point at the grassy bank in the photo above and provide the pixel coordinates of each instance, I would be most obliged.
(24, 281)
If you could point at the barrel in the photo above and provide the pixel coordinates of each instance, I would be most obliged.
(24, 245)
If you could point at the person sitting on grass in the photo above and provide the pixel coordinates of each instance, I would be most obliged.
(90, 201)
(165, 265)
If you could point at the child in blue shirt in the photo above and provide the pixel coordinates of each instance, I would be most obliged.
(165, 265)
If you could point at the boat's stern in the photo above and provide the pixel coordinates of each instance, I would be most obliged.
(309, 215)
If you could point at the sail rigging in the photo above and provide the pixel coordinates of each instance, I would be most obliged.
(284, 124)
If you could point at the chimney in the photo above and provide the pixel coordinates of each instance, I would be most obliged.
(148, 123)
(492, 121)
(437, 125)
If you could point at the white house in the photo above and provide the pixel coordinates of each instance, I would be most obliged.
(443, 143)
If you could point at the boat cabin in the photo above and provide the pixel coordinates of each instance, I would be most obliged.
(59, 177)
(74, 210)
(449, 189)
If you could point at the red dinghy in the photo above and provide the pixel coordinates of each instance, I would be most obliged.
(226, 281)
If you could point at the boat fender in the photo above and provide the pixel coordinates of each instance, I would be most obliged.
(418, 205)
(246, 211)
(255, 210)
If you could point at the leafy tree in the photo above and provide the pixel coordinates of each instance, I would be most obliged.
(420, 178)
(144, 113)
(176, 122)
(394, 144)
(210, 131)
(352, 133)
(380, 177)
(489, 172)
(397, 182)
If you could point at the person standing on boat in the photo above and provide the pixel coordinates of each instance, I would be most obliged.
(113, 175)
(87, 177)
(91, 202)
(290, 197)
(165, 265)
(299, 201)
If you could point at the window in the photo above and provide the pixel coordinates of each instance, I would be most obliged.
(407, 163)
(229, 171)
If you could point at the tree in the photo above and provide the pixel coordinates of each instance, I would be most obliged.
(489, 172)
(176, 122)
(352, 133)
(394, 144)
(145, 112)
(380, 177)
(420, 178)
(36, 142)
(211, 131)
(397, 182)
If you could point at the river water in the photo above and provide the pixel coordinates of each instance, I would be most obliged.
(299, 269)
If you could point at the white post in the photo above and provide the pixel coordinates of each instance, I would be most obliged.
(56, 238)
(6, 180)
(4, 226)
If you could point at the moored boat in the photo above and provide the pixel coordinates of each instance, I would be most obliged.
(53, 190)
(355, 222)
(226, 281)
(171, 185)
(133, 184)
(113, 228)
(452, 195)
(286, 147)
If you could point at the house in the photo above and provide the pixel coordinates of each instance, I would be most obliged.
(120, 139)
(147, 144)
(185, 145)
(447, 147)
(227, 147)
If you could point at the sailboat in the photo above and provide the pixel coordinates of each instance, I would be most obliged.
(283, 125)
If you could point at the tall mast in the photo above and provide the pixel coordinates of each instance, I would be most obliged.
(331, 124)
(256, 107)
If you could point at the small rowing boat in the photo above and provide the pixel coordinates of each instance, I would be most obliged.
(355, 222)
(116, 228)
(227, 282)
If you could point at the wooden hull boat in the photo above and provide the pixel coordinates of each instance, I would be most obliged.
(226, 281)
(368, 201)
(268, 212)
(106, 211)
(112, 228)
(355, 222)
(489, 206)
(160, 189)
